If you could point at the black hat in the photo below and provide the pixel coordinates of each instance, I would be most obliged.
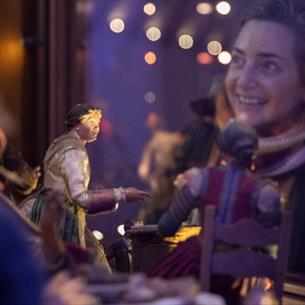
(205, 106)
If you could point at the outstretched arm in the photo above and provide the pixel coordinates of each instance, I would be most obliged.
(75, 169)
(106, 199)
(190, 187)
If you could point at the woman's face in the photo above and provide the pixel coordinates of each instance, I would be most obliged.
(263, 83)
(89, 129)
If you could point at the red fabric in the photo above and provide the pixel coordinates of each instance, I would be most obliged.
(215, 185)
(79, 255)
(182, 261)
(242, 207)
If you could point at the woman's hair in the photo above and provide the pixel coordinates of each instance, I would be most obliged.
(290, 13)
(76, 113)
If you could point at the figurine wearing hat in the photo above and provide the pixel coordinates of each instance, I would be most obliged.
(212, 112)
(67, 171)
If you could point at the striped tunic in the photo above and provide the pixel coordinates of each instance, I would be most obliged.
(234, 190)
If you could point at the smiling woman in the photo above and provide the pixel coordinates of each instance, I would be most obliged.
(263, 76)
(266, 88)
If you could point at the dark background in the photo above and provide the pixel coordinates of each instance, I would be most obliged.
(54, 53)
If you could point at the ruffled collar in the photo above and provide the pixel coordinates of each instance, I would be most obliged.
(281, 154)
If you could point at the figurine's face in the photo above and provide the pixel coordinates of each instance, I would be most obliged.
(89, 128)
(263, 82)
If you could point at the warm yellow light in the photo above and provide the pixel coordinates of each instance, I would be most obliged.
(150, 97)
(153, 33)
(150, 57)
(204, 8)
(204, 58)
(185, 41)
(223, 7)
(214, 47)
(117, 25)
(224, 57)
(149, 8)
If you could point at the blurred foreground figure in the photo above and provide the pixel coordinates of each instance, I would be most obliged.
(235, 191)
(199, 137)
(157, 160)
(67, 171)
(20, 276)
(19, 179)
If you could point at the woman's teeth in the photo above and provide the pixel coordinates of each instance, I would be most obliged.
(251, 100)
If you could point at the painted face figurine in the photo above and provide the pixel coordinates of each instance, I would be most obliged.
(85, 120)
(89, 126)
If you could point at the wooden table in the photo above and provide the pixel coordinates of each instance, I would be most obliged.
(149, 248)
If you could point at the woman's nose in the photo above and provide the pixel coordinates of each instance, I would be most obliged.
(246, 77)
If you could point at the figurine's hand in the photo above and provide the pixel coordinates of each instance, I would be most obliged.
(134, 194)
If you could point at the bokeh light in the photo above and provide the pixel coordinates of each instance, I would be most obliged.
(224, 57)
(214, 47)
(98, 234)
(204, 58)
(149, 8)
(223, 7)
(121, 230)
(150, 97)
(204, 8)
(153, 33)
(117, 25)
(185, 41)
(150, 57)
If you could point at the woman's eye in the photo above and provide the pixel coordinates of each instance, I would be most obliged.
(237, 59)
(271, 66)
